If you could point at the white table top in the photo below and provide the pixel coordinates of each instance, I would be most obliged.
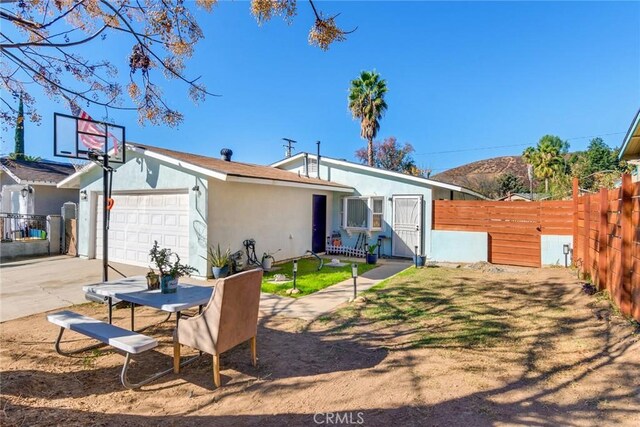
(134, 289)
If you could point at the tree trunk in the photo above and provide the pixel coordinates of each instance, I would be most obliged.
(546, 185)
(370, 151)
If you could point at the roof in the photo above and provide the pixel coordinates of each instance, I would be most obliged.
(384, 172)
(631, 144)
(527, 196)
(220, 169)
(41, 172)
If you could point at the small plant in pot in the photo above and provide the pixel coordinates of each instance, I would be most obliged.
(170, 271)
(153, 280)
(219, 261)
(372, 255)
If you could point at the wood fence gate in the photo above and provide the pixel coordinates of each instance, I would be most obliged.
(513, 229)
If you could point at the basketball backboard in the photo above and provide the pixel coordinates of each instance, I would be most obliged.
(74, 137)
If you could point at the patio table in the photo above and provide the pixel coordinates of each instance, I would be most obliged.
(134, 290)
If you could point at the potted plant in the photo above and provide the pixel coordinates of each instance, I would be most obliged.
(170, 271)
(219, 261)
(372, 256)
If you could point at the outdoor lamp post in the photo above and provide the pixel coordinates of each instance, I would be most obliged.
(295, 273)
(565, 251)
(354, 274)
(416, 256)
(379, 246)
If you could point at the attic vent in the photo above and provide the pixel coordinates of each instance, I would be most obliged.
(226, 154)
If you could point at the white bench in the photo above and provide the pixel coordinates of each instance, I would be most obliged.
(129, 342)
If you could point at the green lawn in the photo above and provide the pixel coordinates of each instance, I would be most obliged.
(309, 279)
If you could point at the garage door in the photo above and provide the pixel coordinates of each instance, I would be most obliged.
(139, 219)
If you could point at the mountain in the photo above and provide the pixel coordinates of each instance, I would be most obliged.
(481, 176)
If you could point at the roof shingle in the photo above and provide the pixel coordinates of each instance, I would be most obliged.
(37, 172)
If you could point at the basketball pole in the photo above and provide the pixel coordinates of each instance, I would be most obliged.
(105, 218)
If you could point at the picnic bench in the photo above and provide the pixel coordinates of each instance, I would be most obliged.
(130, 342)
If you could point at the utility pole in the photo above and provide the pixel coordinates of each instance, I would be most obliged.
(288, 147)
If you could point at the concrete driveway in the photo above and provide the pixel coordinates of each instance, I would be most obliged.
(37, 285)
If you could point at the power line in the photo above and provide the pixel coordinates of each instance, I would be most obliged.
(510, 146)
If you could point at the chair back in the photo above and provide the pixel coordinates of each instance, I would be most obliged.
(237, 300)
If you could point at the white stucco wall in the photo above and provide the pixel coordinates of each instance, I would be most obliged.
(143, 175)
(551, 249)
(459, 246)
(277, 217)
(48, 199)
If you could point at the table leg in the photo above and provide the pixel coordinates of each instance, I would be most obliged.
(110, 303)
(178, 314)
(133, 306)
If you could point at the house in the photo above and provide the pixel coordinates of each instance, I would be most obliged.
(190, 202)
(29, 187)
(524, 197)
(630, 150)
(391, 206)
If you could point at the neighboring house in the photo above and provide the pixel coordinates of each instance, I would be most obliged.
(525, 197)
(394, 206)
(189, 202)
(630, 150)
(29, 187)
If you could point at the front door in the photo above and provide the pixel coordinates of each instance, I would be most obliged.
(407, 225)
(319, 223)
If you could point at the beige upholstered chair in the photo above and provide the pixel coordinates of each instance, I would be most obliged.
(230, 318)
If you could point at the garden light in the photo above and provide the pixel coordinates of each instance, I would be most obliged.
(416, 257)
(565, 250)
(354, 274)
(295, 273)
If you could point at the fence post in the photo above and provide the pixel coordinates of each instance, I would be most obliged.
(602, 239)
(575, 221)
(627, 244)
(587, 237)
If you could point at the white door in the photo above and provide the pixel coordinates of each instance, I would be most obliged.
(139, 219)
(407, 225)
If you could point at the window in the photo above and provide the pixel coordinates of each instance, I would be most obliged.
(363, 213)
(376, 223)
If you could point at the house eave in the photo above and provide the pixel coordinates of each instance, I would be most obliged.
(630, 148)
(417, 179)
(262, 181)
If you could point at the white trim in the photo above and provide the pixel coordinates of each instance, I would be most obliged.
(264, 181)
(369, 228)
(70, 181)
(14, 177)
(198, 169)
(417, 179)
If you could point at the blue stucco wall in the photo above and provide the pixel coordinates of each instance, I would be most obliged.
(459, 246)
(551, 249)
(146, 174)
(368, 183)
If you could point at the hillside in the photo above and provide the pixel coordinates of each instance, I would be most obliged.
(481, 176)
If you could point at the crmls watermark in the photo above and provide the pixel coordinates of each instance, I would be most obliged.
(339, 418)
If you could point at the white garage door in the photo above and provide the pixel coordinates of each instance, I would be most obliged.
(139, 219)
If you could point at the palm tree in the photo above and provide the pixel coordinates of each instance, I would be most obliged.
(547, 158)
(366, 102)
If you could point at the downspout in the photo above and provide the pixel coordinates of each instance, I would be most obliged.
(318, 161)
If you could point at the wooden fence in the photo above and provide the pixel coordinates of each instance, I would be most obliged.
(513, 228)
(606, 242)
(605, 229)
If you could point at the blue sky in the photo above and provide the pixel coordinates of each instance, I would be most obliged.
(461, 77)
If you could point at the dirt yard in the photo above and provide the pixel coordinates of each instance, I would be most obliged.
(437, 346)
